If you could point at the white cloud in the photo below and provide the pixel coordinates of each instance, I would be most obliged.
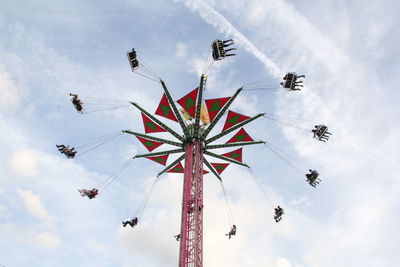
(32, 238)
(11, 93)
(181, 50)
(47, 239)
(35, 206)
(95, 246)
(24, 162)
(302, 201)
(282, 262)
(4, 212)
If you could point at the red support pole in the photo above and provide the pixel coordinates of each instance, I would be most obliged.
(191, 243)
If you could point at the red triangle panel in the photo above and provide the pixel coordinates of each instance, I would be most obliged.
(177, 169)
(233, 119)
(241, 136)
(159, 159)
(164, 109)
(215, 105)
(188, 102)
(219, 167)
(149, 144)
(150, 126)
(235, 155)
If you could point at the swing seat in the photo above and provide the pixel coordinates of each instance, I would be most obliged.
(314, 175)
(312, 178)
(289, 80)
(219, 51)
(321, 130)
(133, 62)
(78, 107)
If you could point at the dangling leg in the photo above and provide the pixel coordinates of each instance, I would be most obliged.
(83, 192)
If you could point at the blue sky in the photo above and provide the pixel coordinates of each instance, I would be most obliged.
(349, 54)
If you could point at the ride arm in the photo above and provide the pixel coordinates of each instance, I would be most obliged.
(173, 151)
(234, 144)
(171, 165)
(154, 138)
(212, 169)
(225, 158)
(159, 122)
(172, 103)
(220, 114)
(198, 107)
(237, 126)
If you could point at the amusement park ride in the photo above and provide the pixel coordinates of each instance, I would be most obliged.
(196, 118)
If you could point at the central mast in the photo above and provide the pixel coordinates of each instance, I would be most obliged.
(191, 242)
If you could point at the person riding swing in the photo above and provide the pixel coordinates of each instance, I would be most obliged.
(312, 177)
(77, 102)
(89, 193)
(132, 222)
(231, 232)
(278, 214)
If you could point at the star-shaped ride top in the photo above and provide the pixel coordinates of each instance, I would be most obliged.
(205, 115)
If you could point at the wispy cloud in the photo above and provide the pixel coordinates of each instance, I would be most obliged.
(25, 162)
(35, 206)
(213, 17)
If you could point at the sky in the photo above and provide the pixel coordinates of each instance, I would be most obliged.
(348, 51)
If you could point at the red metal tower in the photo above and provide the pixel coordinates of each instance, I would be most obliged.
(194, 144)
(191, 246)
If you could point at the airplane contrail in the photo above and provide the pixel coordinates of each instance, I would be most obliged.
(213, 17)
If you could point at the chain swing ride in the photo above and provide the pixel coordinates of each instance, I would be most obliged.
(196, 118)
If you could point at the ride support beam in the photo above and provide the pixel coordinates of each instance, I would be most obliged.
(174, 108)
(173, 151)
(153, 138)
(159, 122)
(171, 165)
(212, 169)
(234, 144)
(220, 114)
(237, 126)
(198, 107)
(225, 158)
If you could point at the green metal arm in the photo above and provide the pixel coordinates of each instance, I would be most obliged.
(159, 122)
(225, 158)
(171, 165)
(240, 124)
(154, 138)
(198, 107)
(176, 112)
(235, 144)
(212, 168)
(220, 114)
(173, 151)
